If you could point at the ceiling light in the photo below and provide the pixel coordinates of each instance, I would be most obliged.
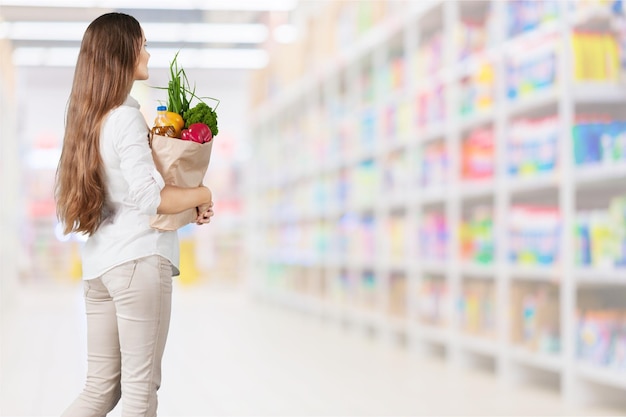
(205, 33)
(278, 5)
(210, 58)
(285, 34)
(52, 31)
(160, 57)
(155, 32)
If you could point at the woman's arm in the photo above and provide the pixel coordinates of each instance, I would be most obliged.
(176, 199)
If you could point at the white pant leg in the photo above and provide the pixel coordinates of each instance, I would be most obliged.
(102, 388)
(142, 300)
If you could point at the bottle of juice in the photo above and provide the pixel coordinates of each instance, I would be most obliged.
(162, 125)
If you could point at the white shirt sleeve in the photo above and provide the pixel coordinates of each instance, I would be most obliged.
(136, 163)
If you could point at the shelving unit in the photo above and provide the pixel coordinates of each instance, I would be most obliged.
(395, 178)
(9, 170)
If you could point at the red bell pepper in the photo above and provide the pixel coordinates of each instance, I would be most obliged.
(197, 132)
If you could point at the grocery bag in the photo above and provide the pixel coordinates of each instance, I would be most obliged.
(182, 163)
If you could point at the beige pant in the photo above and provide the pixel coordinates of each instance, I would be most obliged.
(128, 315)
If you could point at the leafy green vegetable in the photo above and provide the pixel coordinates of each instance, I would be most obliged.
(202, 113)
(180, 94)
(177, 89)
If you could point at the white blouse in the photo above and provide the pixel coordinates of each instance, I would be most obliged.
(133, 195)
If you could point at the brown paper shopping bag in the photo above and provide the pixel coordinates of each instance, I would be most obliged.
(182, 163)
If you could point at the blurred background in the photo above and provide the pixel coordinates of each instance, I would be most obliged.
(420, 207)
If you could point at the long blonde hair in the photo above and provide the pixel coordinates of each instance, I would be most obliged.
(103, 78)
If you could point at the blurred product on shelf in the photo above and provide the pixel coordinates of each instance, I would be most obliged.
(368, 129)
(473, 37)
(322, 238)
(600, 336)
(533, 146)
(534, 235)
(477, 155)
(434, 167)
(368, 84)
(368, 296)
(434, 301)
(596, 56)
(433, 236)
(346, 227)
(476, 307)
(342, 188)
(362, 241)
(431, 106)
(476, 236)
(619, 26)
(389, 120)
(357, 20)
(364, 180)
(391, 77)
(397, 172)
(397, 302)
(343, 288)
(428, 59)
(531, 72)
(599, 139)
(527, 15)
(600, 236)
(535, 317)
(396, 246)
(404, 119)
(477, 91)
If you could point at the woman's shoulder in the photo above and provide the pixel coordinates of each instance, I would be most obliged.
(126, 109)
(126, 116)
(124, 125)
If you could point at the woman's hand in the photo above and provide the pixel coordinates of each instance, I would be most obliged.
(205, 212)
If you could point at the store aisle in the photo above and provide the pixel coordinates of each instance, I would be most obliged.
(230, 355)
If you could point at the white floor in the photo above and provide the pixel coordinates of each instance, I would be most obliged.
(230, 355)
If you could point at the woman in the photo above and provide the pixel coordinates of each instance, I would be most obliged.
(107, 188)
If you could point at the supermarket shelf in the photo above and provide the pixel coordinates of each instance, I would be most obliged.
(288, 299)
(365, 317)
(591, 14)
(476, 120)
(535, 183)
(535, 273)
(436, 131)
(395, 264)
(478, 344)
(361, 206)
(599, 375)
(398, 324)
(433, 333)
(529, 104)
(544, 361)
(518, 46)
(433, 195)
(582, 189)
(440, 77)
(396, 200)
(474, 270)
(477, 189)
(359, 263)
(434, 266)
(471, 64)
(592, 175)
(597, 276)
(599, 92)
(335, 261)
